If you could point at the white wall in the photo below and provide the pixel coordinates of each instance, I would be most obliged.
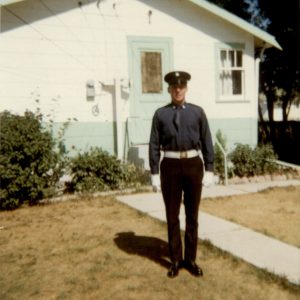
(49, 52)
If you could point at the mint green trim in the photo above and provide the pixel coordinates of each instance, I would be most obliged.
(230, 45)
(143, 106)
(239, 130)
(81, 136)
(138, 131)
(7, 2)
(84, 135)
(237, 21)
(137, 44)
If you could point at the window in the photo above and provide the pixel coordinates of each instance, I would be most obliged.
(151, 69)
(231, 74)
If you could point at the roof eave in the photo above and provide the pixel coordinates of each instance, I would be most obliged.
(7, 2)
(258, 33)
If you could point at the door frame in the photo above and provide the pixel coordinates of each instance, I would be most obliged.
(137, 44)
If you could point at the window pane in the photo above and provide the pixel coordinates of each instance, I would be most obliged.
(151, 72)
(226, 83)
(239, 58)
(231, 58)
(231, 73)
(237, 82)
(223, 58)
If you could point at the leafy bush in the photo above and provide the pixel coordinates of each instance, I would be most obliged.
(28, 162)
(250, 162)
(265, 156)
(243, 160)
(136, 176)
(97, 170)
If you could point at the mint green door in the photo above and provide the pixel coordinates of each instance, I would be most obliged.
(149, 60)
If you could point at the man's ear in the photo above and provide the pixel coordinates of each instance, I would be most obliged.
(169, 89)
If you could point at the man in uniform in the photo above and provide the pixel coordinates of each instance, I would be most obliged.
(180, 130)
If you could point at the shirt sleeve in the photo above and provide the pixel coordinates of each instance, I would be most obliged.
(207, 145)
(154, 146)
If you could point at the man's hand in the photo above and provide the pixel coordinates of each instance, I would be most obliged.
(208, 179)
(155, 182)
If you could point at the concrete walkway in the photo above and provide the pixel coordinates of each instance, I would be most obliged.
(257, 249)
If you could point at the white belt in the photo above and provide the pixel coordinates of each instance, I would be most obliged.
(181, 154)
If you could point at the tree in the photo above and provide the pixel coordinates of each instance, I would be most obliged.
(280, 71)
(237, 7)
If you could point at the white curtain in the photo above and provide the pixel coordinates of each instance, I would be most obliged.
(227, 62)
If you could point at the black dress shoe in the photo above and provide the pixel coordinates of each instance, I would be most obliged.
(174, 270)
(193, 268)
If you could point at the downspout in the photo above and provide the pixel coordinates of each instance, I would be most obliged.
(257, 72)
(257, 69)
(257, 62)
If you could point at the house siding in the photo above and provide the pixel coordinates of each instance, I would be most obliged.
(49, 53)
(80, 137)
(238, 130)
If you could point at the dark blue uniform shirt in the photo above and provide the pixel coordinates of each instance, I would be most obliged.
(189, 130)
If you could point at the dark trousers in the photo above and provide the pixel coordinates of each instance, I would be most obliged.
(182, 177)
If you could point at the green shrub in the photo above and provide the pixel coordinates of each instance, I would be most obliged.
(136, 176)
(243, 160)
(97, 170)
(250, 162)
(28, 163)
(265, 155)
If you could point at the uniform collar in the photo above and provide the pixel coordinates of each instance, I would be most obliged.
(183, 106)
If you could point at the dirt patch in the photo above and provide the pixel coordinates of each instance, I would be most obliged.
(102, 249)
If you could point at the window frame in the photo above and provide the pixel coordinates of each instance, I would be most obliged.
(219, 68)
(139, 44)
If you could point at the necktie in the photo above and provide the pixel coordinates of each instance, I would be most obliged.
(177, 118)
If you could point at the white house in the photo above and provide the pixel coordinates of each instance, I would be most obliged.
(102, 62)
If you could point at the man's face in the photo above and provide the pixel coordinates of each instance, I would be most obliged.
(177, 93)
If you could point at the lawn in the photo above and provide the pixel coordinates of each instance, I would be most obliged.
(274, 212)
(98, 248)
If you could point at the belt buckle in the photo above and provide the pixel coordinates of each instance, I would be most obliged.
(183, 154)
